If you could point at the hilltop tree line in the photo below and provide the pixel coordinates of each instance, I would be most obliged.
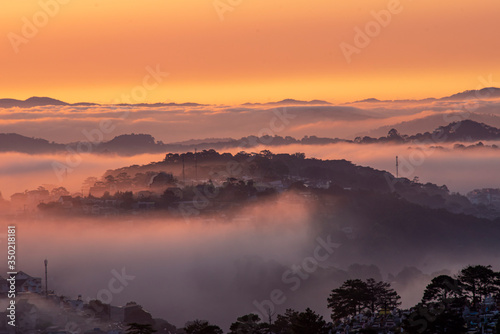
(132, 144)
(192, 169)
(440, 311)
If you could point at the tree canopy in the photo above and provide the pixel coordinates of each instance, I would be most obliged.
(479, 281)
(442, 288)
(356, 295)
(201, 327)
(135, 328)
(248, 324)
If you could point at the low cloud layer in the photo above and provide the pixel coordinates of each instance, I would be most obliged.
(460, 170)
(176, 123)
(214, 268)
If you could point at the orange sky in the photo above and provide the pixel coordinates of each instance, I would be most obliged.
(97, 50)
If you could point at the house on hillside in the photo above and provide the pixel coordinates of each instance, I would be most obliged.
(66, 202)
(28, 284)
(24, 284)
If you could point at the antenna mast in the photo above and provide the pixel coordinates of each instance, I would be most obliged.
(195, 166)
(397, 167)
(46, 283)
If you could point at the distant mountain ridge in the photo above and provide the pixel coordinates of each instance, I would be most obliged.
(31, 102)
(132, 144)
(47, 101)
(462, 131)
(13, 142)
(289, 101)
(484, 93)
(160, 104)
(433, 121)
(36, 101)
(489, 92)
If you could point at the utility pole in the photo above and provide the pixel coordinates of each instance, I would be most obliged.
(397, 167)
(46, 283)
(195, 166)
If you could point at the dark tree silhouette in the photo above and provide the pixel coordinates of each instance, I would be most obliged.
(283, 322)
(309, 322)
(349, 299)
(58, 192)
(441, 289)
(479, 281)
(248, 324)
(201, 327)
(382, 296)
(355, 295)
(135, 328)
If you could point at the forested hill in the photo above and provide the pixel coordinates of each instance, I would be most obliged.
(376, 217)
(289, 168)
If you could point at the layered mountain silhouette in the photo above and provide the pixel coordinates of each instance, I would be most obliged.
(432, 122)
(131, 144)
(172, 104)
(484, 93)
(13, 142)
(463, 131)
(289, 101)
(489, 92)
(38, 102)
(47, 101)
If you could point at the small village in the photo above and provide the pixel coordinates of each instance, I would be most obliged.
(45, 312)
(211, 182)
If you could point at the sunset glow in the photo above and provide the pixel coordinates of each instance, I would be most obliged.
(249, 166)
(261, 51)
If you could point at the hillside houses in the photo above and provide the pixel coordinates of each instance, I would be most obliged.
(24, 284)
(487, 196)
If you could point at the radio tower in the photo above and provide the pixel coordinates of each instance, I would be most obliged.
(397, 167)
(195, 166)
